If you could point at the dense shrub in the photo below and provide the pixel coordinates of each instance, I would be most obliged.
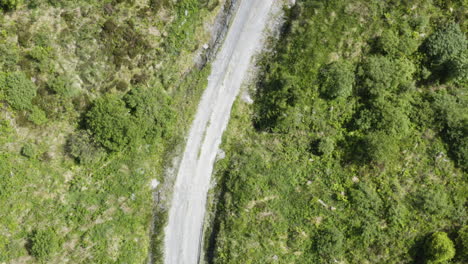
(61, 85)
(37, 116)
(19, 90)
(382, 75)
(326, 146)
(329, 243)
(151, 110)
(82, 147)
(110, 122)
(337, 79)
(446, 43)
(44, 243)
(439, 248)
(381, 147)
(462, 242)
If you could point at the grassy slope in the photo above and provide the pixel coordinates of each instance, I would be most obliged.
(99, 212)
(280, 201)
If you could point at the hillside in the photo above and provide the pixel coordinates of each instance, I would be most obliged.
(355, 149)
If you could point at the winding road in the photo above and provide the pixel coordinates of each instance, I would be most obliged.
(183, 234)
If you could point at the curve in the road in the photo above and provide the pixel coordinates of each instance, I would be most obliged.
(183, 234)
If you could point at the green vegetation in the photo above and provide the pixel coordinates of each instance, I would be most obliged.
(44, 244)
(439, 248)
(95, 96)
(355, 149)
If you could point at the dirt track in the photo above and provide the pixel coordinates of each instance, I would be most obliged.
(183, 233)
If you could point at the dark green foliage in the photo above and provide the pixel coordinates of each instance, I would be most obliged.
(29, 151)
(446, 43)
(329, 243)
(383, 75)
(44, 243)
(10, 4)
(82, 147)
(446, 50)
(439, 248)
(337, 79)
(462, 243)
(61, 85)
(381, 147)
(110, 122)
(19, 90)
(151, 112)
(326, 146)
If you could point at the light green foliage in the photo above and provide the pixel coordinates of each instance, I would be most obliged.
(37, 116)
(439, 248)
(19, 90)
(44, 243)
(337, 80)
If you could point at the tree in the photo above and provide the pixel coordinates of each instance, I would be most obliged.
(337, 80)
(19, 90)
(44, 243)
(110, 122)
(439, 248)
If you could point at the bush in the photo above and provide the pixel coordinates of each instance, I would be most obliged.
(82, 147)
(110, 122)
(381, 147)
(326, 146)
(329, 243)
(381, 75)
(29, 151)
(44, 243)
(61, 85)
(446, 43)
(337, 79)
(19, 90)
(439, 248)
(37, 116)
(152, 113)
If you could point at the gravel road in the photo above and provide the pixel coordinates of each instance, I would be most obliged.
(183, 233)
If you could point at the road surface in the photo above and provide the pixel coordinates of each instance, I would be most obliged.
(183, 234)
